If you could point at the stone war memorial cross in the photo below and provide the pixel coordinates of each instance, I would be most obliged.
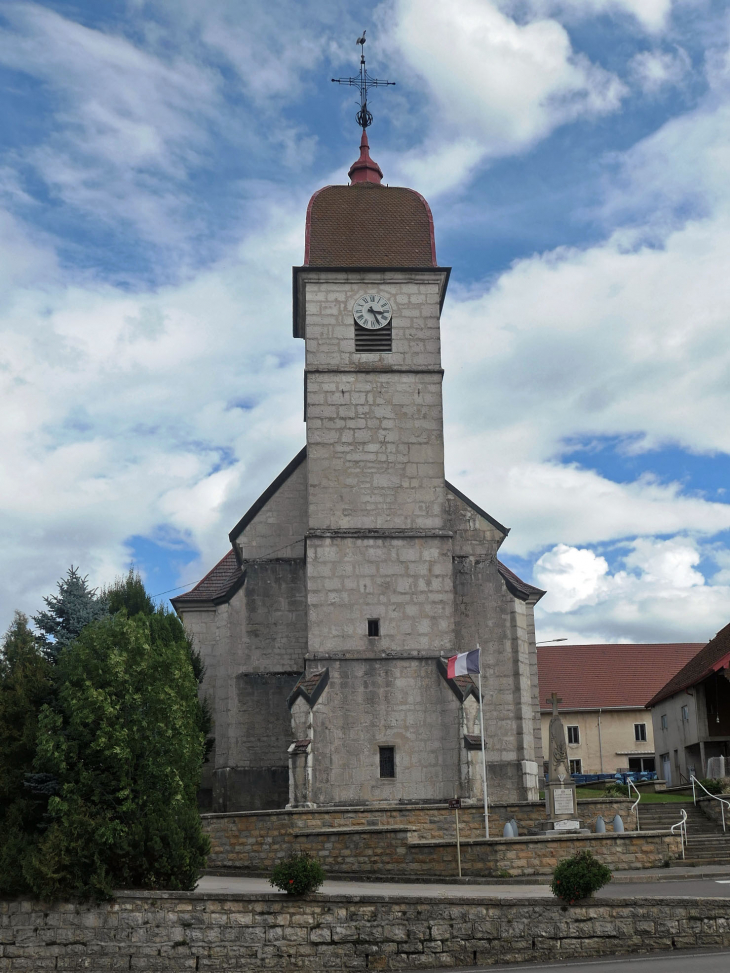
(560, 797)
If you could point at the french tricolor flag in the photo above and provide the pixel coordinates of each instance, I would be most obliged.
(462, 664)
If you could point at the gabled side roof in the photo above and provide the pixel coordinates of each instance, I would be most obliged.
(220, 584)
(711, 658)
(519, 588)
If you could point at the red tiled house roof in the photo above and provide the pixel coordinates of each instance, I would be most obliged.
(608, 676)
(711, 657)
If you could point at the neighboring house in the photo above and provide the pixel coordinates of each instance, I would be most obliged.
(691, 713)
(604, 691)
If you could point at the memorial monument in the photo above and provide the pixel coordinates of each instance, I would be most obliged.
(560, 797)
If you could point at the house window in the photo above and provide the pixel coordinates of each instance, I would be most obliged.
(576, 766)
(573, 734)
(685, 713)
(387, 761)
(664, 721)
(374, 628)
(640, 731)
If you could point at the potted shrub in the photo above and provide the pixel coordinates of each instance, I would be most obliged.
(579, 877)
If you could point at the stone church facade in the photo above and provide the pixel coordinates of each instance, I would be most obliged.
(360, 570)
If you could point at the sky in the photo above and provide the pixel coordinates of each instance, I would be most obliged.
(156, 164)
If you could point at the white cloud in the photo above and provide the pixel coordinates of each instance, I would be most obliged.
(499, 83)
(654, 70)
(127, 414)
(657, 595)
(652, 15)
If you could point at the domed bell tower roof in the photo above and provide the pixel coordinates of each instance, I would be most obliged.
(367, 224)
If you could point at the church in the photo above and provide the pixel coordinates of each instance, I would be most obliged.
(360, 570)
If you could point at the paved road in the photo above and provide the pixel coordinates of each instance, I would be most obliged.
(214, 884)
(703, 887)
(675, 962)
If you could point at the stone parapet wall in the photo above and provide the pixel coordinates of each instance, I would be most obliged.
(255, 841)
(166, 931)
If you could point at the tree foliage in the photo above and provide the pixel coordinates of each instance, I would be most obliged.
(129, 593)
(125, 745)
(26, 684)
(67, 613)
(102, 737)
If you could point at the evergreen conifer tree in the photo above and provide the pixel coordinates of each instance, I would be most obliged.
(129, 593)
(125, 745)
(26, 684)
(75, 606)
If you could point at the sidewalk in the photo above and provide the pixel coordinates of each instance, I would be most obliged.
(537, 885)
(533, 887)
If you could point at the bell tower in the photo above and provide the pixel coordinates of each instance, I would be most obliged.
(380, 601)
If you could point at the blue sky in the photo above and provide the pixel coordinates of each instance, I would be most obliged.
(154, 175)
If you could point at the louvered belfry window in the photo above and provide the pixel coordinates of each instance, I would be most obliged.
(379, 340)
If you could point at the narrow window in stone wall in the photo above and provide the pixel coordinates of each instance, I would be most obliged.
(374, 628)
(685, 713)
(664, 721)
(379, 340)
(573, 734)
(387, 761)
(640, 731)
(576, 766)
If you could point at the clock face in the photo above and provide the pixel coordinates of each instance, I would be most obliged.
(372, 311)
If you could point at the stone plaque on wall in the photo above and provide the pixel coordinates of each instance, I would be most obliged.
(563, 801)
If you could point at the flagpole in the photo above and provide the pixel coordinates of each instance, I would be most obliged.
(484, 759)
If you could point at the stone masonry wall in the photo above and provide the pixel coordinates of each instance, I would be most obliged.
(278, 529)
(374, 421)
(406, 582)
(369, 703)
(364, 838)
(168, 932)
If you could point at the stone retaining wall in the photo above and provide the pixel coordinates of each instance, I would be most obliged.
(712, 809)
(159, 932)
(370, 837)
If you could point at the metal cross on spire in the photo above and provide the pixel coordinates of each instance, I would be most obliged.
(364, 82)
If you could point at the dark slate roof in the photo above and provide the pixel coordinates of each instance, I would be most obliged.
(607, 676)
(366, 225)
(218, 585)
(713, 657)
(461, 686)
(310, 687)
(519, 588)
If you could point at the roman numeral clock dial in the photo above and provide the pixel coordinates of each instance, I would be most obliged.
(372, 311)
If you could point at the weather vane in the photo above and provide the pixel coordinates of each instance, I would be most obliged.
(364, 82)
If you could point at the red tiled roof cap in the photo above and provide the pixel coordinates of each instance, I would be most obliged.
(369, 225)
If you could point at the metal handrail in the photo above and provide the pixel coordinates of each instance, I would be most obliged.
(635, 805)
(682, 825)
(722, 800)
